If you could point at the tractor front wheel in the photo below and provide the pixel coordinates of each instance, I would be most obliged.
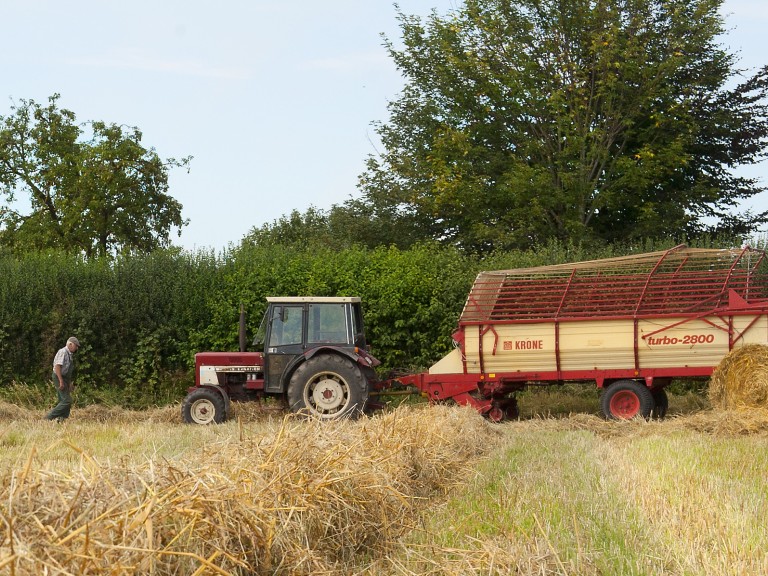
(203, 406)
(328, 387)
(626, 399)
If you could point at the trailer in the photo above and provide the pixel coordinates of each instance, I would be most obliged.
(629, 325)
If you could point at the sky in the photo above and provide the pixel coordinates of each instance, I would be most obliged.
(274, 99)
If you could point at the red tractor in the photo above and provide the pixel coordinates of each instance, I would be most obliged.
(314, 356)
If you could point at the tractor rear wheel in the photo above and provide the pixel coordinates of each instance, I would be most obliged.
(328, 387)
(203, 406)
(626, 399)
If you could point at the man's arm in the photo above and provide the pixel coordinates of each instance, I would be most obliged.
(57, 371)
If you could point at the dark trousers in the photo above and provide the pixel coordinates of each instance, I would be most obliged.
(61, 410)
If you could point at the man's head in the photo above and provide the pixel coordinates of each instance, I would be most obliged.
(73, 344)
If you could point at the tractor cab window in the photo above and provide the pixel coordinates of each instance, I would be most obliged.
(327, 324)
(357, 326)
(286, 322)
(261, 333)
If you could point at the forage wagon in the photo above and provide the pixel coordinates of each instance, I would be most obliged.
(629, 324)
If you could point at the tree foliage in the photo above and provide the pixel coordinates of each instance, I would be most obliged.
(355, 223)
(96, 191)
(141, 318)
(579, 120)
(313, 227)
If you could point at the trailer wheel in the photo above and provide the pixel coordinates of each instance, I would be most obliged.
(203, 406)
(328, 387)
(512, 411)
(660, 403)
(626, 399)
(502, 410)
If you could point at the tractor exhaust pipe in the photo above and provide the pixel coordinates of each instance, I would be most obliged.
(242, 327)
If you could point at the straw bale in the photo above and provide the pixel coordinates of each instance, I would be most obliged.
(740, 381)
(309, 498)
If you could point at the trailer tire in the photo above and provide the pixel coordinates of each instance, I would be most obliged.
(660, 403)
(512, 411)
(328, 387)
(203, 406)
(503, 410)
(626, 399)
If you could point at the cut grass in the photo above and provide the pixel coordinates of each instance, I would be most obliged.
(418, 490)
(541, 505)
(260, 495)
(584, 496)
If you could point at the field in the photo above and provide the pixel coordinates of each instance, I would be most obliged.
(415, 490)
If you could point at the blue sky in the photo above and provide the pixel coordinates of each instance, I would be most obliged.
(273, 98)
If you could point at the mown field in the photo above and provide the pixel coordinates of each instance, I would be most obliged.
(414, 490)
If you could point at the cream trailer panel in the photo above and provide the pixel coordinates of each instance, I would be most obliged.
(754, 329)
(681, 342)
(511, 348)
(597, 345)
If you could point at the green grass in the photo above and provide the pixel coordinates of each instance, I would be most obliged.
(645, 499)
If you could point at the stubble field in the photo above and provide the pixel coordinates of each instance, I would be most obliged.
(414, 490)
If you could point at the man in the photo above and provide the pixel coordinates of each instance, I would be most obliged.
(63, 370)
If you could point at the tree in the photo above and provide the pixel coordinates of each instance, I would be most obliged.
(342, 226)
(309, 229)
(578, 120)
(97, 196)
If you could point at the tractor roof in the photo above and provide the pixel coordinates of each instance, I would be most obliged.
(313, 299)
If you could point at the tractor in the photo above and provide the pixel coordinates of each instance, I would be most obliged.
(314, 357)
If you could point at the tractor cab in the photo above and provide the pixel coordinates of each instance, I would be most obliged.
(294, 327)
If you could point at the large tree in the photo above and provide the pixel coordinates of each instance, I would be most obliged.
(92, 188)
(523, 120)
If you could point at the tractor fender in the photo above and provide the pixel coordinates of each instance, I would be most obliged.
(356, 359)
(333, 350)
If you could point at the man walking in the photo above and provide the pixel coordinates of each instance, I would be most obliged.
(63, 369)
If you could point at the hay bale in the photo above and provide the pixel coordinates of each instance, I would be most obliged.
(740, 381)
